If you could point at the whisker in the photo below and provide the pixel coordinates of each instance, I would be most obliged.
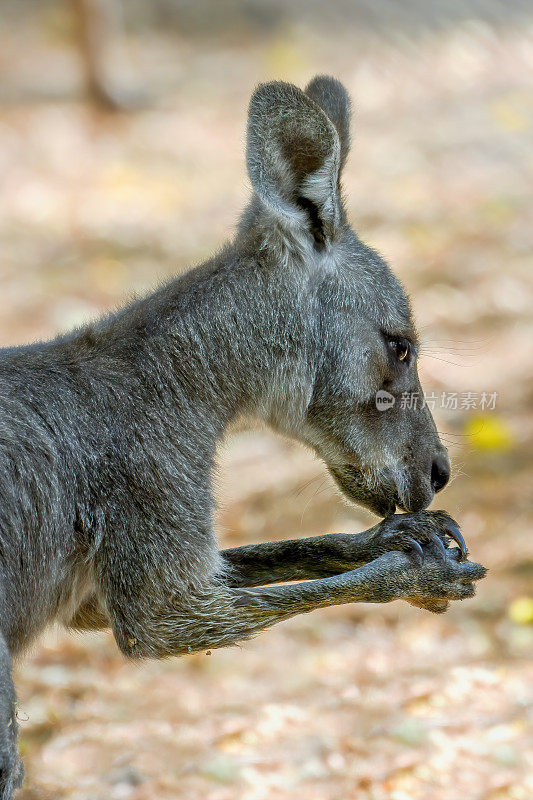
(297, 492)
(450, 346)
(445, 360)
(451, 433)
(320, 489)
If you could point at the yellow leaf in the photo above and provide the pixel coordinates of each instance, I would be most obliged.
(521, 611)
(489, 432)
(509, 113)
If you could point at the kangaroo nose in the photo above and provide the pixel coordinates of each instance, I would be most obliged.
(440, 473)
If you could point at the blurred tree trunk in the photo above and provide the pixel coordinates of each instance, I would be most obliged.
(97, 23)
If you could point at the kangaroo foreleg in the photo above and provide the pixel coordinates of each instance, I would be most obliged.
(220, 615)
(320, 557)
(323, 556)
(294, 559)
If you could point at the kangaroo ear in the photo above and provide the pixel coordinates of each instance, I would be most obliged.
(293, 155)
(331, 95)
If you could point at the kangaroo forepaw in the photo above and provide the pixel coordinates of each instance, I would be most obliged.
(409, 532)
(428, 580)
(438, 582)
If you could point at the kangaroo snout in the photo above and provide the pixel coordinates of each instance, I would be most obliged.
(422, 485)
(440, 472)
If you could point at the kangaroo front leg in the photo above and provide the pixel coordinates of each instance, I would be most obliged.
(221, 615)
(331, 554)
(295, 559)
(390, 577)
(318, 557)
(11, 771)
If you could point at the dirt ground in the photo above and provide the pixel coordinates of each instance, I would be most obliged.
(373, 703)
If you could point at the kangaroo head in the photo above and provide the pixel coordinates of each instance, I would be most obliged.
(360, 340)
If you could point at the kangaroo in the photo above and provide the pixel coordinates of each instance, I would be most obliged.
(108, 435)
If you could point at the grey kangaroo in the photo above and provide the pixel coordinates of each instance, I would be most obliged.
(108, 434)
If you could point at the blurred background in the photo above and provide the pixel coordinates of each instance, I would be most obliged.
(121, 164)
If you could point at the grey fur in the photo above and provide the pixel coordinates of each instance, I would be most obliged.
(108, 435)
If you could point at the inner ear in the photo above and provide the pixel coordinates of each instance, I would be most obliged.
(304, 162)
(316, 226)
(301, 153)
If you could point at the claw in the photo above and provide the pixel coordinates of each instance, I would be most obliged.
(438, 542)
(455, 534)
(416, 549)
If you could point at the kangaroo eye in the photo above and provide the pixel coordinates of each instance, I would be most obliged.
(401, 348)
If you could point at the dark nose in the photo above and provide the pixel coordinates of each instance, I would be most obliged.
(440, 473)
